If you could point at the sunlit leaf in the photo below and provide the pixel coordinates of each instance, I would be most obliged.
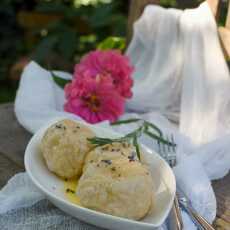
(168, 3)
(112, 43)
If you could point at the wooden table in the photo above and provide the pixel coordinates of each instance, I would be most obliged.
(14, 138)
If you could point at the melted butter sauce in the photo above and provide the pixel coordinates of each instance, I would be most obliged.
(70, 187)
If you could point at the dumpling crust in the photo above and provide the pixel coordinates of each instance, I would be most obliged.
(120, 187)
(112, 151)
(64, 147)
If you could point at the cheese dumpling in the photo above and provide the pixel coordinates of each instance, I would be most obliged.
(64, 147)
(111, 151)
(120, 187)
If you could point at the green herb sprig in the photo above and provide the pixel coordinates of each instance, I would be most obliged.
(146, 128)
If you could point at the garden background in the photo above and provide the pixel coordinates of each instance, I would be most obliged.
(56, 33)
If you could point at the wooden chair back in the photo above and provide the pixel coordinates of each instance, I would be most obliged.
(224, 31)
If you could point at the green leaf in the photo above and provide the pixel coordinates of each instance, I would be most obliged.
(59, 81)
(133, 136)
(159, 139)
(168, 3)
(120, 122)
(99, 141)
(100, 15)
(7, 94)
(112, 43)
(154, 127)
(67, 43)
(51, 7)
(135, 143)
(228, 62)
(223, 12)
(44, 48)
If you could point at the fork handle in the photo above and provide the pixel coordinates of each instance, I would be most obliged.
(201, 222)
(175, 219)
(178, 213)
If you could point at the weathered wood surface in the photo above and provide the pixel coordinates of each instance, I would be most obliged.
(222, 190)
(13, 141)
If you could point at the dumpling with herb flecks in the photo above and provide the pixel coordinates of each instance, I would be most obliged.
(111, 151)
(64, 147)
(119, 187)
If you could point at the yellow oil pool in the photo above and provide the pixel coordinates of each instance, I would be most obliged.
(70, 187)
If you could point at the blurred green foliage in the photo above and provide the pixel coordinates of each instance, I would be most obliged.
(80, 26)
(112, 43)
(168, 3)
(102, 18)
(223, 14)
(63, 36)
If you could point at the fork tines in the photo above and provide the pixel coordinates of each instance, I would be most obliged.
(168, 152)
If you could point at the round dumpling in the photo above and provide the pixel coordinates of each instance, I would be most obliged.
(64, 147)
(120, 187)
(111, 151)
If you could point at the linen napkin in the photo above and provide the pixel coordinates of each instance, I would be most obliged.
(180, 75)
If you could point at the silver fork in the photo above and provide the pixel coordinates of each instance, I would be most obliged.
(186, 204)
(169, 154)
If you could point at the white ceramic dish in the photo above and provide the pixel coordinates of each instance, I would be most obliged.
(53, 188)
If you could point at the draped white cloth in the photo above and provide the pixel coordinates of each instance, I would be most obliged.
(180, 76)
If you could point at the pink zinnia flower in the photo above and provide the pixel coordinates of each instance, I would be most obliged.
(110, 63)
(94, 99)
